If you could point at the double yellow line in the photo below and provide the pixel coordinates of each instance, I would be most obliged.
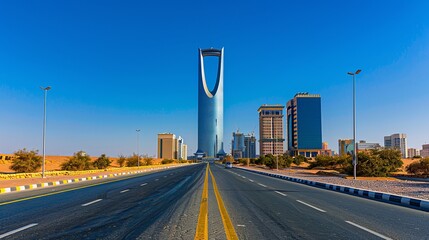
(202, 232)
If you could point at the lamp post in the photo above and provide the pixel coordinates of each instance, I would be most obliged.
(353, 74)
(138, 147)
(45, 89)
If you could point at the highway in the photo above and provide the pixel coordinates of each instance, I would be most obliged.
(203, 202)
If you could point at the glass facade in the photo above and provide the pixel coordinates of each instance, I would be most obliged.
(309, 123)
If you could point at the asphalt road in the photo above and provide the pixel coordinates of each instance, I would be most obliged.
(171, 204)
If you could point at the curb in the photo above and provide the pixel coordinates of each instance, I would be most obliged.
(415, 203)
(74, 180)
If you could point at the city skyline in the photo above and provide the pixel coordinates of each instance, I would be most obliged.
(111, 68)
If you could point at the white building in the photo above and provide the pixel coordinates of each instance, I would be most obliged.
(397, 141)
(424, 153)
(412, 152)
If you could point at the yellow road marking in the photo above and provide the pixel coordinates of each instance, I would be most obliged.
(62, 191)
(202, 232)
(227, 224)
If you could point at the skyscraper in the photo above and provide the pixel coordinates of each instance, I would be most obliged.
(397, 141)
(238, 147)
(210, 108)
(304, 125)
(249, 146)
(271, 129)
(167, 146)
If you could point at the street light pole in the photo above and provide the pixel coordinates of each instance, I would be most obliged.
(46, 89)
(354, 122)
(138, 147)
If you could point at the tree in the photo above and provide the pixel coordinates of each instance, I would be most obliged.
(102, 162)
(420, 168)
(299, 159)
(79, 161)
(121, 160)
(26, 161)
(148, 161)
(167, 161)
(132, 160)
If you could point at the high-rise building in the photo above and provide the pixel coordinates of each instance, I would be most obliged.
(210, 108)
(170, 147)
(345, 146)
(304, 124)
(271, 137)
(238, 147)
(167, 146)
(249, 146)
(325, 145)
(397, 141)
(412, 152)
(424, 153)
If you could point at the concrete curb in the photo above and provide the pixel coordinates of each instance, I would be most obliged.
(74, 180)
(415, 203)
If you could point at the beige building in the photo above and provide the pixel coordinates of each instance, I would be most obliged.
(424, 153)
(184, 152)
(170, 147)
(271, 136)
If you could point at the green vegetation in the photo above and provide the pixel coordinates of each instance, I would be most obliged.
(79, 161)
(132, 160)
(26, 161)
(167, 161)
(299, 159)
(121, 160)
(419, 168)
(102, 162)
(270, 161)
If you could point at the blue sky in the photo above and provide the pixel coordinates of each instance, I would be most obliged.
(115, 66)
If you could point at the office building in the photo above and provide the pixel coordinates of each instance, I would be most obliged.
(170, 147)
(397, 141)
(304, 125)
(345, 146)
(210, 108)
(424, 153)
(249, 146)
(364, 146)
(271, 137)
(412, 152)
(238, 148)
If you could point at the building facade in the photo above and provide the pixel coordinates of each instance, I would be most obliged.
(424, 153)
(238, 147)
(271, 138)
(345, 146)
(397, 141)
(170, 147)
(364, 146)
(304, 124)
(249, 146)
(412, 152)
(210, 108)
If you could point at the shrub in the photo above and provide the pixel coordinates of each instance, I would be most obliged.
(378, 163)
(299, 159)
(420, 168)
(132, 161)
(167, 161)
(147, 161)
(26, 161)
(121, 160)
(79, 161)
(102, 162)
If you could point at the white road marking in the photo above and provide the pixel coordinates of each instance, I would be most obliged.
(251, 180)
(243, 176)
(86, 204)
(369, 230)
(280, 193)
(143, 184)
(126, 190)
(165, 176)
(240, 225)
(318, 209)
(260, 184)
(17, 230)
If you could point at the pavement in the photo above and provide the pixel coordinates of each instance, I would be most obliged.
(203, 202)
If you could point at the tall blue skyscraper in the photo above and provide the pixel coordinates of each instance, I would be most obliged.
(210, 108)
(304, 125)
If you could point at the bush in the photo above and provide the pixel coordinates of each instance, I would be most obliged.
(378, 163)
(102, 162)
(419, 168)
(147, 161)
(299, 159)
(26, 161)
(121, 160)
(340, 163)
(79, 161)
(167, 161)
(132, 161)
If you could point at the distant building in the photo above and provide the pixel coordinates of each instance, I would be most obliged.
(325, 146)
(412, 152)
(250, 146)
(238, 147)
(397, 141)
(304, 124)
(170, 147)
(271, 129)
(424, 153)
(363, 146)
(345, 146)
